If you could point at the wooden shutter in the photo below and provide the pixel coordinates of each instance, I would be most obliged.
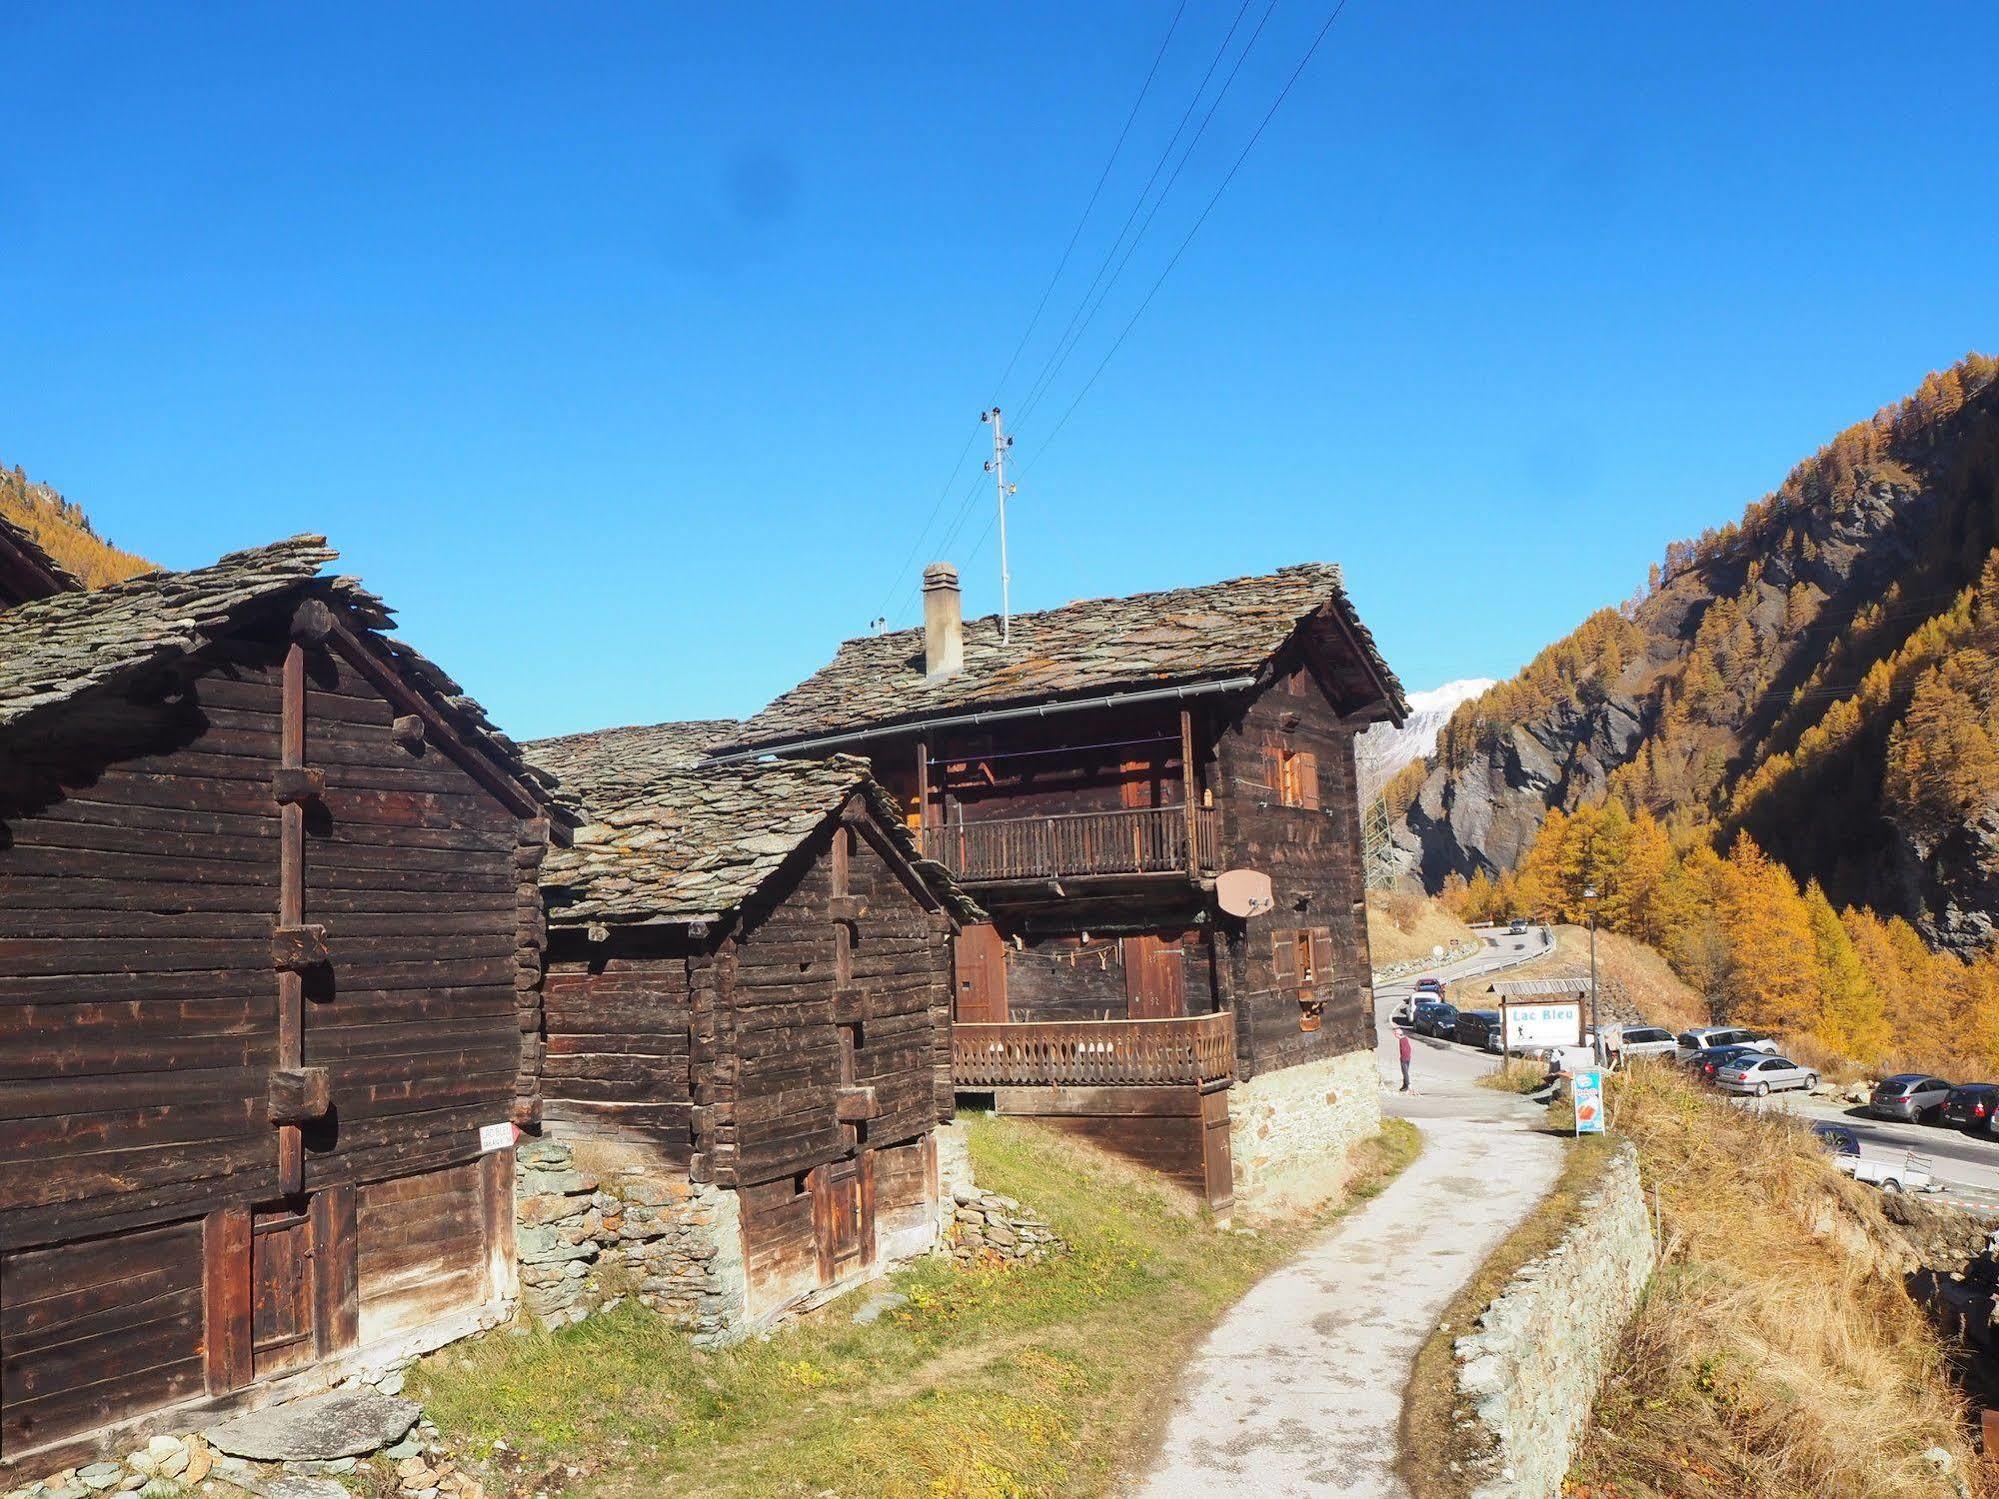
(1273, 766)
(1322, 954)
(1305, 780)
(1284, 961)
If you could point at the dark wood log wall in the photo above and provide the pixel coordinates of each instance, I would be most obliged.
(1059, 976)
(1313, 857)
(619, 1021)
(157, 1023)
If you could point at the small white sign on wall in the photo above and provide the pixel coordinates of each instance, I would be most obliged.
(1557, 1022)
(496, 1137)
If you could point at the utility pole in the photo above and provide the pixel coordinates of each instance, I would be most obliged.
(996, 466)
(1595, 1020)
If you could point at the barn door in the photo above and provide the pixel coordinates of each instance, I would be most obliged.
(283, 1314)
(1155, 979)
(981, 960)
(843, 1217)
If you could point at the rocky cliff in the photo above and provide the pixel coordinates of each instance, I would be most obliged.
(1823, 673)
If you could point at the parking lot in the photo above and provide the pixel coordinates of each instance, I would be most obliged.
(1967, 1164)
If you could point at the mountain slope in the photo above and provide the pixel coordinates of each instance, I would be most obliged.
(64, 531)
(1823, 673)
(1383, 749)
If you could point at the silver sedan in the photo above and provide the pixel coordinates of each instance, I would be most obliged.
(1763, 1076)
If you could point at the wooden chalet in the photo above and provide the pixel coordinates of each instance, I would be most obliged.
(1154, 797)
(749, 974)
(269, 950)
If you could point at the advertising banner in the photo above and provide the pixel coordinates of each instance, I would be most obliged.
(1589, 1102)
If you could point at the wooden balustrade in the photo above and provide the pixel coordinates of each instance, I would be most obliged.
(1094, 1053)
(1123, 840)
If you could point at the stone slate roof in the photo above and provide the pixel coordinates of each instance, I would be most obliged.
(696, 842)
(16, 538)
(633, 757)
(1181, 636)
(57, 650)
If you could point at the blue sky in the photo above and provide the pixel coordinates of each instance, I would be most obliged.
(627, 350)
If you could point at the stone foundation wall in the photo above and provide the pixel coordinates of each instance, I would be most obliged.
(1292, 1132)
(600, 1222)
(1533, 1368)
(987, 1226)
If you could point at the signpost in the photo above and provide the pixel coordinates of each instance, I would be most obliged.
(1589, 1102)
(1540, 1022)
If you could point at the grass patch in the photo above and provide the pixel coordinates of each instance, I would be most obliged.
(1777, 1350)
(1012, 1383)
(1438, 1444)
(1516, 1075)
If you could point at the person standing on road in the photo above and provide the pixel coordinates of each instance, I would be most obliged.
(1405, 1051)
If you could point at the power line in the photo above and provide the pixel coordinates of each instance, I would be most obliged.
(1034, 320)
(1165, 156)
(1035, 396)
(1221, 188)
(1095, 192)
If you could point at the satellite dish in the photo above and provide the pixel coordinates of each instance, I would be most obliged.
(1244, 892)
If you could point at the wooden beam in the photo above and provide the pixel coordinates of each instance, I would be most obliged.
(225, 1299)
(295, 783)
(1189, 792)
(300, 947)
(300, 1094)
(336, 1270)
(389, 682)
(407, 730)
(291, 905)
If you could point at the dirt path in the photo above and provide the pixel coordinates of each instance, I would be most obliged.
(1299, 1390)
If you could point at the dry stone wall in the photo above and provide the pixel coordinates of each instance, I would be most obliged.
(1292, 1132)
(606, 1226)
(1533, 1367)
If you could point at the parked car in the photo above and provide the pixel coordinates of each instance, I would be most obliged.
(1704, 1038)
(1762, 1076)
(1971, 1105)
(1435, 1018)
(1646, 1041)
(1479, 1028)
(1709, 1063)
(1912, 1096)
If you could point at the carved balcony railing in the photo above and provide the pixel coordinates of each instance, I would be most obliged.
(1094, 1053)
(1123, 840)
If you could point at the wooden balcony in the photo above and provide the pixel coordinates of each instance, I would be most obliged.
(1120, 841)
(1198, 1049)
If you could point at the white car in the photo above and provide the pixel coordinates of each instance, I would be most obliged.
(1646, 1041)
(1763, 1076)
(1705, 1038)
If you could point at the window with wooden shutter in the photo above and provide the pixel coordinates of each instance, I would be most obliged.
(1322, 954)
(1305, 774)
(1308, 968)
(1284, 959)
(1273, 767)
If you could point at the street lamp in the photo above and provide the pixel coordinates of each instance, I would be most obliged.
(1595, 1020)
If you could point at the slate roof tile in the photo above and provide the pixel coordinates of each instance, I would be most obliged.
(57, 650)
(1177, 636)
(667, 838)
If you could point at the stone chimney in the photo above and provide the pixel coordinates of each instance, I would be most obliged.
(943, 621)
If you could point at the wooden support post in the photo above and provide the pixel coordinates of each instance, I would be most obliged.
(336, 1270)
(225, 1299)
(496, 1195)
(922, 791)
(1190, 791)
(291, 909)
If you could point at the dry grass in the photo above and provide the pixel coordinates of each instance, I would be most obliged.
(1627, 971)
(1777, 1352)
(993, 1383)
(1438, 1440)
(1403, 926)
(1516, 1075)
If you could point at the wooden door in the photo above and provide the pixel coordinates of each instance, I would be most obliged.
(843, 1217)
(980, 954)
(1155, 977)
(283, 1314)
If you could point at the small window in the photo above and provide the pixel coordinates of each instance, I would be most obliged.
(1307, 973)
(1298, 779)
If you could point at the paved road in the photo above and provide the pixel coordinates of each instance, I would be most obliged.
(1297, 1394)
